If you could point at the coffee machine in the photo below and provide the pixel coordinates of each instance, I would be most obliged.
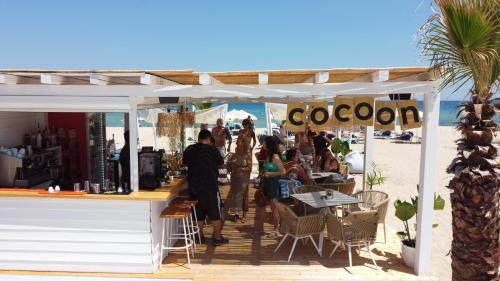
(150, 168)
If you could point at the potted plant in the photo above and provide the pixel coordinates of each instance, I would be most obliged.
(405, 211)
(375, 177)
(340, 148)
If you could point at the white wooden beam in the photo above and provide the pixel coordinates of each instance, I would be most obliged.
(52, 79)
(368, 154)
(150, 79)
(98, 79)
(263, 78)
(380, 76)
(9, 79)
(207, 79)
(321, 77)
(428, 168)
(133, 144)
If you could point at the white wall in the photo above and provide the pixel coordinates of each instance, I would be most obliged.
(79, 235)
(13, 126)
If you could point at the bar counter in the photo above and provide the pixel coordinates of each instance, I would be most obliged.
(164, 193)
(83, 233)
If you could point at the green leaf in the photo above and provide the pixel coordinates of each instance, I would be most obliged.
(405, 211)
(402, 235)
(438, 202)
(434, 225)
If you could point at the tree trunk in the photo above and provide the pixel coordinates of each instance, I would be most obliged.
(475, 197)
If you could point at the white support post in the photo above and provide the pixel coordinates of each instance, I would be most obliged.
(268, 120)
(368, 154)
(428, 161)
(134, 139)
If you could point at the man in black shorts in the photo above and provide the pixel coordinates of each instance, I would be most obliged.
(203, 161)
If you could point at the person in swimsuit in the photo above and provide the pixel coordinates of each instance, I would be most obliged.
(221, 134)
(240, 165)
(248, 134)
(273, 171)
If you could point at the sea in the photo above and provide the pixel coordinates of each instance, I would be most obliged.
(447, 116)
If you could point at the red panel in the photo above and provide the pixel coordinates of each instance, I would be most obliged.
(76, 122)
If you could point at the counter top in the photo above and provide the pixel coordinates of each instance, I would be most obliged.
(163, 193)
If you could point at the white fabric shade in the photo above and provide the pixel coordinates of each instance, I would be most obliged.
(239, 115)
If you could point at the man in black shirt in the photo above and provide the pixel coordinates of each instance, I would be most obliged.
(125, 161)
(203, 161)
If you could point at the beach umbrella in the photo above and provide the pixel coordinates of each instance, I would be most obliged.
(238, 115)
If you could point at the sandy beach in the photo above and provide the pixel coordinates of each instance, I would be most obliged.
(400, 163)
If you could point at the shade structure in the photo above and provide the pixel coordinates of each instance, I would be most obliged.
(126, 90)
(239, 115)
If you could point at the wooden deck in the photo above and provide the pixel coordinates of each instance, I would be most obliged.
(249, 256)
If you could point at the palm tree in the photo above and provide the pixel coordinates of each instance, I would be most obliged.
(462, 41)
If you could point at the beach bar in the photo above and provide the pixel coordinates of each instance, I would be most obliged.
(121, 233)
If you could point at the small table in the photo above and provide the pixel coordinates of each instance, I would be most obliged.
(314, 200)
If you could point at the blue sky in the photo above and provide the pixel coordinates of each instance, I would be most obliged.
(211, 35)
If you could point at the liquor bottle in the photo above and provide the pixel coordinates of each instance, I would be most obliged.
(39, 137)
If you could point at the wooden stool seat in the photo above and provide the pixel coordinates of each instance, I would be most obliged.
(176, 212)
(184, 201)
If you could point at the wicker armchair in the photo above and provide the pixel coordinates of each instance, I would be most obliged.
(344, 169)
(356, 229)
(309, 188)
(302, 227)
(344, 187)
(374, 200)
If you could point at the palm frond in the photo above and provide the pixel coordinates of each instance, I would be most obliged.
(462, 40)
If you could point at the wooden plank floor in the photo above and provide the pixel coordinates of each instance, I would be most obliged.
(249, 256)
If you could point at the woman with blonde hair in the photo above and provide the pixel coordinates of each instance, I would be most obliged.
(240, 166)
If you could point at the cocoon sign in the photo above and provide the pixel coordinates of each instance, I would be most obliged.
(385, 115)
(409, 116)
(319, 116)
(342, 112)
(296, 117)
(363, 111)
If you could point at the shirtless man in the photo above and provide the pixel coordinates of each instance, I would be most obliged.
(221, 134)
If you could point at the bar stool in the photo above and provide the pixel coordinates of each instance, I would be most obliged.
(194, 229)
(169, 216)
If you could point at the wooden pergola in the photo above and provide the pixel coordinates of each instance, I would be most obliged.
(126, 90)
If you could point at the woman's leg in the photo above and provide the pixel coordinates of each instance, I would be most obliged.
(275, 214)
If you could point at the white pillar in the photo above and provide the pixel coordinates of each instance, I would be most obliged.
(368, 153)
(268, 120)
(428, 161)
(134, 139)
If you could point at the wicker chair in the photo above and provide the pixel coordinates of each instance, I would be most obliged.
(374, 200)
(356, 229)
(346, 188)
(302, 227)
(309, 188)
(344, 169)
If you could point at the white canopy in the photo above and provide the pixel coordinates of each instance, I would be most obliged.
(239, 115)
(210, 115)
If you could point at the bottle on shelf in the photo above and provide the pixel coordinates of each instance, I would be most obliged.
(39, 137)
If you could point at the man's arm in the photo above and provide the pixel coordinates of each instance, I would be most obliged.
(254, 140)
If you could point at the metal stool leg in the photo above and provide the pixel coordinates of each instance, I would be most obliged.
(196, 222)
(184, 224)
(164, 221)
